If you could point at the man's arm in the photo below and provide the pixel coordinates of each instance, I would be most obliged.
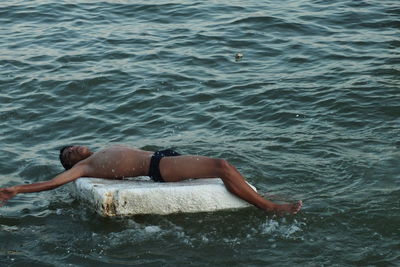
(61, 179)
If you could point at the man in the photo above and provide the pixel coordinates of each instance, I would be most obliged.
(118, 162)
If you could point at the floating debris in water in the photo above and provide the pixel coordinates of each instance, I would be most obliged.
(238, 56)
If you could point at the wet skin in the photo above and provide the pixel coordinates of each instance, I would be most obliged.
(117, 162)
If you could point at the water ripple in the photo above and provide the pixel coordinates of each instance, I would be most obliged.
(311, 111)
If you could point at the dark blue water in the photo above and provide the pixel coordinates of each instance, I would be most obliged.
(311, 111)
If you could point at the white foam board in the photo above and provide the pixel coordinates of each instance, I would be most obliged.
(143, 196)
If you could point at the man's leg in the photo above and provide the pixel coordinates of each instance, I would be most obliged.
(179, 168)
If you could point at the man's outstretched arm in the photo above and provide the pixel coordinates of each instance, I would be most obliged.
(61, 179)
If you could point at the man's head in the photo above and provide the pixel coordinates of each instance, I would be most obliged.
(70, 155)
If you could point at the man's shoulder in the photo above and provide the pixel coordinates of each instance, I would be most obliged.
(83, 168)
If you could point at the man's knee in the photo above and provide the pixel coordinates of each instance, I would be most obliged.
(224, 168)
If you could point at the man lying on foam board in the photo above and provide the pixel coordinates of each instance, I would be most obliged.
(118, 162)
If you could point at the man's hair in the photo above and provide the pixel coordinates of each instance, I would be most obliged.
(66, 164)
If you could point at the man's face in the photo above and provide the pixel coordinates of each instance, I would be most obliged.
(75, 154)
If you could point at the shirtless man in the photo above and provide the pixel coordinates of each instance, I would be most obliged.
(118, 162)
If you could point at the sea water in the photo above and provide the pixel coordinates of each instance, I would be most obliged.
(310, 110)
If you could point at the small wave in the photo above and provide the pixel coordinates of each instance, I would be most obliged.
(280, 228)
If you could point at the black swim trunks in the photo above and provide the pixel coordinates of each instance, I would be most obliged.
(154, 170)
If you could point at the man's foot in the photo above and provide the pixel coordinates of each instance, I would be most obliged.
(292, 208)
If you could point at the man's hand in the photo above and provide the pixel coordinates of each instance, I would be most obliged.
(6, 194)
(68, 176)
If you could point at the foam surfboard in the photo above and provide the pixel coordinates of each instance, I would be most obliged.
(143, 196)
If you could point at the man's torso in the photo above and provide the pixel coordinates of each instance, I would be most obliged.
(118, 162)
